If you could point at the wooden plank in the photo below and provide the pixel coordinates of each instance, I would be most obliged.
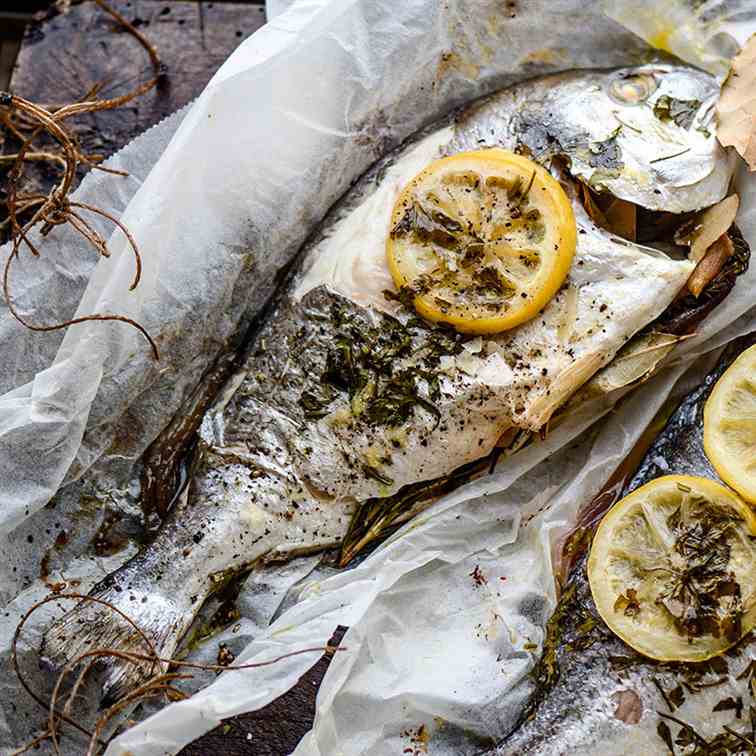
(273, 730)
(12, 25)
(62, 56)
(8, 52)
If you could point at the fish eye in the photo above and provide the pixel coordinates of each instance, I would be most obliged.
(632, 89)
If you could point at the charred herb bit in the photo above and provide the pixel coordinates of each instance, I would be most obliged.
(677, 696)
(606, 154)
(681, 112)
(674, 698)
(225, 656)
(435, 227)
(663, 731)
(406, 294)
(376, 474)
(628, 603)
(488, 280)
(473, 253)
(704, 597)
(687, 736)
(730, 704)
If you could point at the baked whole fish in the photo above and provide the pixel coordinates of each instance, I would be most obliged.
(595, 694)
(349, 405)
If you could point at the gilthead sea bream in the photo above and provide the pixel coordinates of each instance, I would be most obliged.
(448, 307)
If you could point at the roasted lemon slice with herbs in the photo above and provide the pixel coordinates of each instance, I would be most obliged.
(730, 425)
(672, 568)
(481, 240)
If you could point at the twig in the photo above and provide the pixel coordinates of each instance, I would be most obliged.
(34, 157)
(55, 209)
(157, 684)
(126, 233)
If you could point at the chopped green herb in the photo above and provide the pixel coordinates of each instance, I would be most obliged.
(729, 704)
(383, 370)
(681, 112)
(606, 154)
(704, 597)
(315, 406)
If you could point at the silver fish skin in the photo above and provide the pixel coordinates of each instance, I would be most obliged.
(614, 130)
(596, 695)
(280, 471)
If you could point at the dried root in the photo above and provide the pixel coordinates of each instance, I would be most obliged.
(25, 121)
(159, 683)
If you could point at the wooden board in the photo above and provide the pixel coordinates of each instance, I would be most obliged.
(64, 55)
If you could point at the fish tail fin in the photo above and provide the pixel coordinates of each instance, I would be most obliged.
(93, 624)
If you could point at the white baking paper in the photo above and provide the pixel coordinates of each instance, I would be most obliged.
(288, 122)
(705, 33)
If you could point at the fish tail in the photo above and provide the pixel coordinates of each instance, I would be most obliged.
(154, 626)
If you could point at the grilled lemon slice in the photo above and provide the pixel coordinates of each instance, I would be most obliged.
(672, 568)
(730, 425)
(481, 240)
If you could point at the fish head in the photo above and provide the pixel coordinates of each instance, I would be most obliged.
(644, 134)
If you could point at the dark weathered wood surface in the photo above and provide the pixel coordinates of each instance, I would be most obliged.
(273, 730)
(63, 56)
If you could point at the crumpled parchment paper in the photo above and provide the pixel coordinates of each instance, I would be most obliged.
(247, 174)
(706, 34)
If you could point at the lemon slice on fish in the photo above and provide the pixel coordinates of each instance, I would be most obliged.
(672, 568)
(481, 240)
(730, 425)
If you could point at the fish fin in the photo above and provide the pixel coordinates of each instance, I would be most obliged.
(564, 385)
(92, 624)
